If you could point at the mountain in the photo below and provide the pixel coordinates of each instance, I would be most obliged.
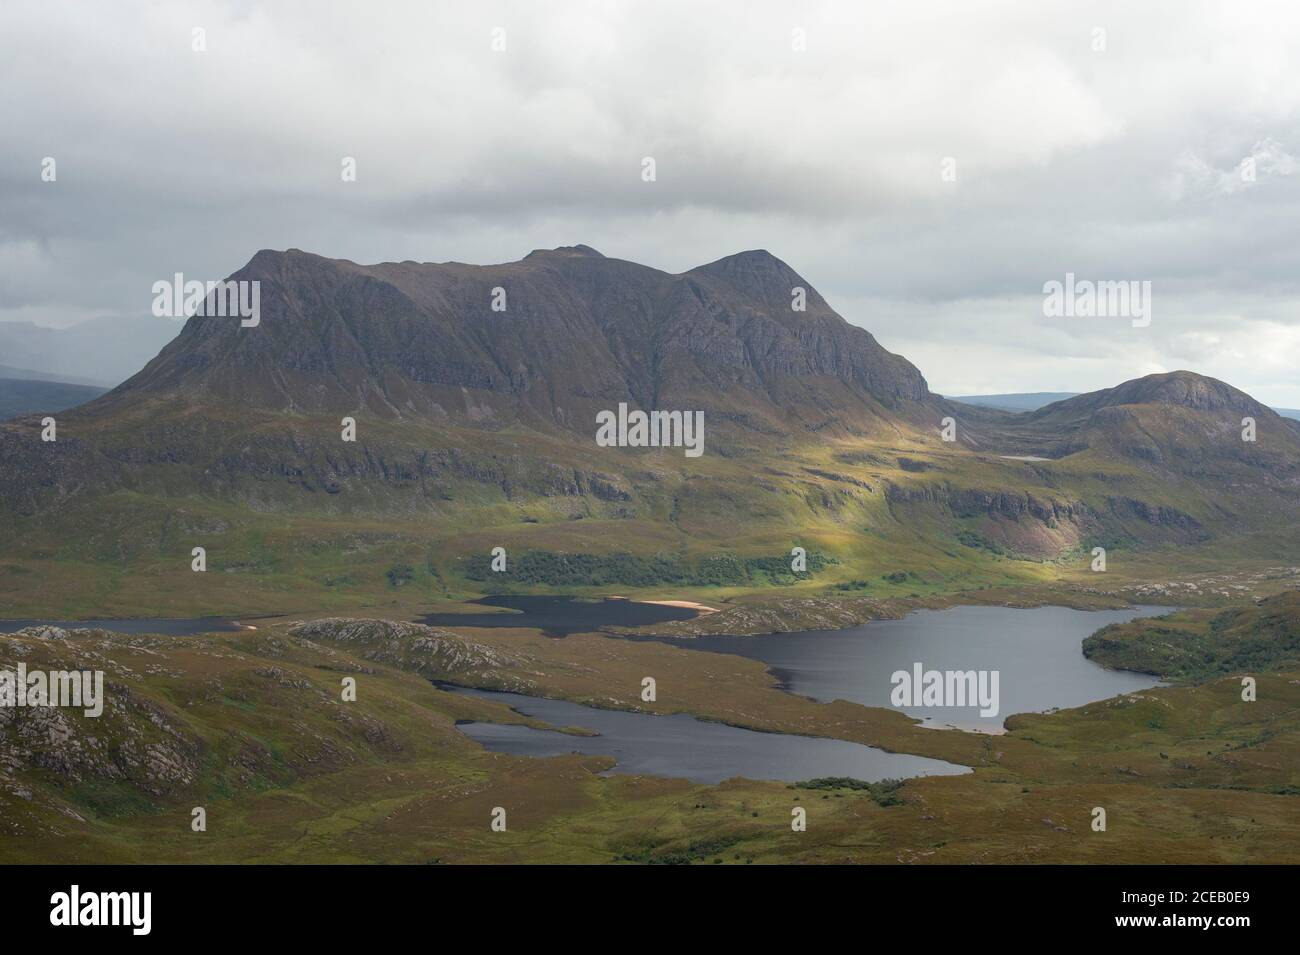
(1168, 419)
(1033, 400)
(1180, 421)
(576, 333)
(1182, 388)
(101, 351)
(475, 428)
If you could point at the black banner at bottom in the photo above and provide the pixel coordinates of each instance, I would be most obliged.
(334, 904)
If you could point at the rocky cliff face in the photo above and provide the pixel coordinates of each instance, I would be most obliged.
(572, 332)
(446, 365)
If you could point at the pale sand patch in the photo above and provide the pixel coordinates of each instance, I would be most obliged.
(688, 604)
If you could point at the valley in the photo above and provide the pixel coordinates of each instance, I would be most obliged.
(824, 498)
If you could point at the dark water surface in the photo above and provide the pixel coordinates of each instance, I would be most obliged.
(176, 627)
(1037, 653)
(684, 747)
(561, 616)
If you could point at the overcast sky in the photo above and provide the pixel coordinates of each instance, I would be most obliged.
(1121, 163)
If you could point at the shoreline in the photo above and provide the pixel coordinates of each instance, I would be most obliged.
(686, 604)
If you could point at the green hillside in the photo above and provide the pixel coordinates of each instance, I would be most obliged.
(1196, 645)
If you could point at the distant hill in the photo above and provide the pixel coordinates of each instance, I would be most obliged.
(20, 396)
(1028, 401)
(28, 374)
(102, 351)
(1033, 400)
(1182, 388)
(1178, 424)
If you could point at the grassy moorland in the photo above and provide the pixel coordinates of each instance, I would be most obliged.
(900, 517)
(251, 727)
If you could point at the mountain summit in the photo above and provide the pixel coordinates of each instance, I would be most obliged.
(547, 342)
(1183, 388)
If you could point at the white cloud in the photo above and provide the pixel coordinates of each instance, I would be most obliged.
(1115, 164)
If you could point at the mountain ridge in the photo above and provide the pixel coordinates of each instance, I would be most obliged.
(398, 337)
(476, 428)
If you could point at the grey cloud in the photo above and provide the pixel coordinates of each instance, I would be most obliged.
(1120, 164)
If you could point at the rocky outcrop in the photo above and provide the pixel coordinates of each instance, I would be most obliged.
(1158, 514)
(429, 651)
(183, 713)
(974, 502)
(134, 741)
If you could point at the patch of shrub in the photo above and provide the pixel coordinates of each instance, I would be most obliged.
(979, 542)
(400, 574)
(884, 793)
(630, 570)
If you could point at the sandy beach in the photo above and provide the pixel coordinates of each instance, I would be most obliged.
(688, 604)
